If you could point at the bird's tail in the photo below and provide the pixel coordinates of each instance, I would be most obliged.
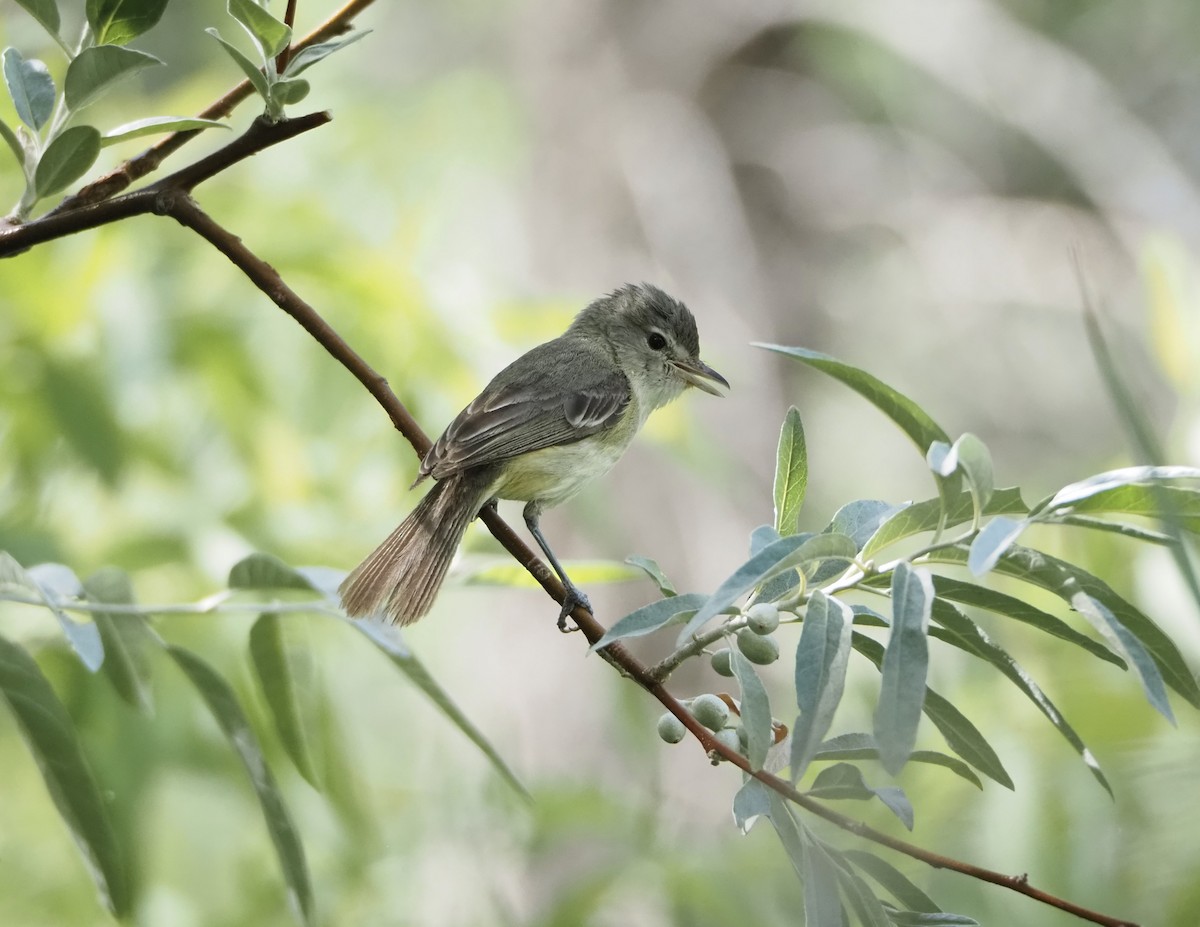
(402, 576)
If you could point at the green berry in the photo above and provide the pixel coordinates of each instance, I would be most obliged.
(762, 618)
(711, 711)
(671, 729)
(757, 649)
(722, 662)
(729, 738)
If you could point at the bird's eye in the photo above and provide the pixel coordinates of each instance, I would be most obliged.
(656, 341)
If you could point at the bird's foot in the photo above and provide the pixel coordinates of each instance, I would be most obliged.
(574, 597)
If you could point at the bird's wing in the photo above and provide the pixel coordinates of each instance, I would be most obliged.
(525, 409)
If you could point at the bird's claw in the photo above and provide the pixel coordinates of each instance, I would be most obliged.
(574, 597)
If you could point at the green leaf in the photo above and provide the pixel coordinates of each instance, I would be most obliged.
(921, 517)
(94, 71)
(1011, 607)
(752, 801)
(917, 919)
(859, 746)
(289, 91)
(791, 473)
(389, 641)
(155, 125)
(583, 572)
(867, 908)
(1133, 490)
(115, 22)
(307, 57)
(649, 618)
(1114, 527)
(66, 159)
(860, 520)
(894, 881)
(821, 659)
(965, 634)
(49, 733)
(45, 12)
(265, 571)
(905, 664)
(784, 554)
(124, 637)
(30, 86)
(54, 584)
(269, 34)
(654, 571)
(845, 782)
(997, 536)
(960, 734)
(252, 71)
(222, 702)
(822, 903)
(273, 663)
(14, 143)
(755, 710)
(80, 406)
(975, 461)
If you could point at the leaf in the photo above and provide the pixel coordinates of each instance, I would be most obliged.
(1011, 607)
(905, 664)
(1127, 530)
(508, 573)
(964, 633)
(307, 57)
(1133, 491)
(53, 583)
(921, 517)
(791, 473)
(273, 665)
(654, 571)
(45, 12)
(649, 618)
(265, 571)
(821, 659)
(975, 461)
(80, 405)
(389, 641)
(822, 904)
(755, 710)
(916, 919)
(66, 159)
(960, 734)
(860, 520)
(94, 71)
(49, 733)
(997, 536)
(784, 554)
(941, 458)
(894, 881)
(30, 86)
(844, 781)
(14, 143)
(222, 702)
(115, 22)
(752, 801)
(252, 71)
(867, 908)
(859, 746)
(269, 34)
(124, 637)
(155, 125)
(288, 92)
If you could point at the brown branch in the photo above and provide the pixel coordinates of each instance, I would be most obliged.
(149, 160)
(289, 20)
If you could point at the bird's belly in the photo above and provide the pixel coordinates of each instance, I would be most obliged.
(554, 474)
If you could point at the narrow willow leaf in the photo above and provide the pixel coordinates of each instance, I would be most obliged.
(844, 781)
(905, 664)
(307, 57)
(1011, 607)
(860, 520)
(227, 712)
(786, 553)
(513, 575)
(822, 901)
(155, 125)
(115, 22)
(960, 734)
(1066, 580)
(788, 830)
(921, 517)
(649, 618)
(894, 881)
(975, 461)
(124, 637)
(997, 536)
(762, 537)
(1129, 647)
(917, 919)
(14, 143)
(755, 710)
(965, 634)
(30, 86)
(791, 473)
(66, 159)
(265, 571)
(45, 12)
(1133, 478)
(274, 666)
(942, 458)
(49, 733)
(252, 71)
(821, 659)
(269, 34)
(392, 645)
(752, 801)
(55, 583)
(1115, 527)
(1149, 501)
(867, 908)
(861, 746)
(654, 571)
(94, 71)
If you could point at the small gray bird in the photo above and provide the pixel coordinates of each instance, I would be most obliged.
(556, 417)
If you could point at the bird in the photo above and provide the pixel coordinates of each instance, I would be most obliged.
(557, 417)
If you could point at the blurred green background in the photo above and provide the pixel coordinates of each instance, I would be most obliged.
(902, 185)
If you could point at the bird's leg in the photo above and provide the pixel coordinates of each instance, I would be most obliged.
(574, 597)
(492, 505)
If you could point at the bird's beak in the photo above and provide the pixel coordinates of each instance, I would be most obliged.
(698, 374)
